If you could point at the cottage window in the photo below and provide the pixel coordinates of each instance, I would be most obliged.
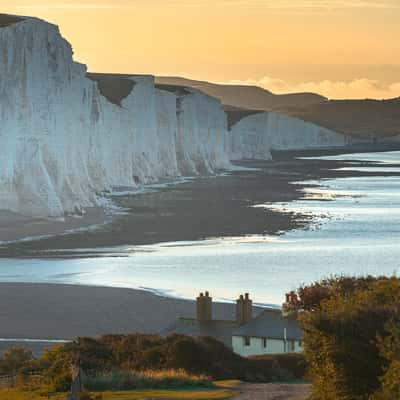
(264, 342)
(300, 343)
(291, 345)
(246, 341)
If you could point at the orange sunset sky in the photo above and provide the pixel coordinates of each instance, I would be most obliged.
(339, 48)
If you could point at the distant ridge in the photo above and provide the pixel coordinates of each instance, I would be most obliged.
(249, 97)
(365, 118)
(355, 117)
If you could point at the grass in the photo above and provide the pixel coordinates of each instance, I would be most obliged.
(217, 390)
(169, 394)
(228, 384)
(15, 394)
(216, 394)
(166, 379)
(7, 20)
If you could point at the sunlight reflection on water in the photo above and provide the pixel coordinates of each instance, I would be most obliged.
(357, 232)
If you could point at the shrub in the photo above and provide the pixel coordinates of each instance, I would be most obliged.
(293, 365)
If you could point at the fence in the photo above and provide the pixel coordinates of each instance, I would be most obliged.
(9, 381)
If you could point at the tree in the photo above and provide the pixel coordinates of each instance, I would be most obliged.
(14, 360)
(348, 345)
(390, 348)
(310, 297)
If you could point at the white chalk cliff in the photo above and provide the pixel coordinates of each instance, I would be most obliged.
(67, 136)
(255, 135)
(63, 142)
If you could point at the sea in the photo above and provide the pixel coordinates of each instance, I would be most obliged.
(355, 230)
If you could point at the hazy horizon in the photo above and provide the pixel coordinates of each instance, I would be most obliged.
(337, 48)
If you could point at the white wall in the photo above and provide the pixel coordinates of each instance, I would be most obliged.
(274, 346)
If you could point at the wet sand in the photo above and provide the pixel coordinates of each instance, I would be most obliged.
(14, 227)
(53, 311)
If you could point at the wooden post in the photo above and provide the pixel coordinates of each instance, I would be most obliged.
(76, 385)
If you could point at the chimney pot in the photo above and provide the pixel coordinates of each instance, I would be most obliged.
(244, 309)
(204, 307)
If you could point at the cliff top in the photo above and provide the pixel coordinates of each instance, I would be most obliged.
(245, 96)
(235, 114)
(114, 87)
(176, 89)
(7, 20)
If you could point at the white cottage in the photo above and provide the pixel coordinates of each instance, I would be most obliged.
(269, 333)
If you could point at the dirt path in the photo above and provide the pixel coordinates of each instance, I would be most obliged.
(273, 391)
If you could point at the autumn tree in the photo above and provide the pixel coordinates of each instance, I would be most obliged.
(348, 342)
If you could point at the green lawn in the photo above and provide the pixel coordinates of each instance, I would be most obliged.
(224, 391)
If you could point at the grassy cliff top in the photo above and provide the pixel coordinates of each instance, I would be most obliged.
(7, 20)
(177, 89)
(236, 114)
(113, 87)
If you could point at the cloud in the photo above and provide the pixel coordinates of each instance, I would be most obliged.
(354, 89)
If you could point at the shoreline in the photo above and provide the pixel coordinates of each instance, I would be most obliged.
(49, 312)
(16, 228)
(38, 310)
(207, 207)
(17, 231)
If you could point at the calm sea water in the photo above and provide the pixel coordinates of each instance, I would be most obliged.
(356, 231)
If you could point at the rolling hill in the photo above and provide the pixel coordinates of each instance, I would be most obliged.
(249, 97)
(362, 118)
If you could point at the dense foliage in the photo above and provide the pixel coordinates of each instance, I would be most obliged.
(197, 356)
(133, 361)
(352, 337)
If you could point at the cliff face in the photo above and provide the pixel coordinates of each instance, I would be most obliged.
(63, 141)
(254, 136)
(67, 136)
(250, 138)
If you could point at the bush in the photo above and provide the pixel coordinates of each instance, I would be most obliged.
(293, 365)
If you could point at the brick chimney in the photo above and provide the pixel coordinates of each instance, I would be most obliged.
(204, 307)
(244, 309)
